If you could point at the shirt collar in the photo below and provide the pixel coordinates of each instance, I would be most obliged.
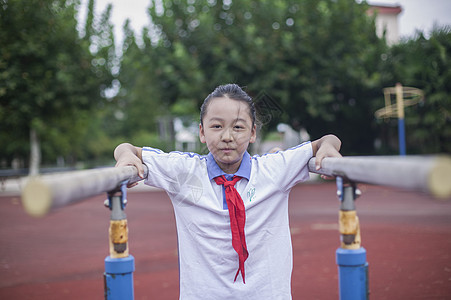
(243, 171)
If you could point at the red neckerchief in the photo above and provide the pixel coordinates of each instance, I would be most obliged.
(237, 216)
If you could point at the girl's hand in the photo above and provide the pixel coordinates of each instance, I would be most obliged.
(326, 150)
(327, 146)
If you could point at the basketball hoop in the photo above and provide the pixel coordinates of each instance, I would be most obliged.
(405, 96)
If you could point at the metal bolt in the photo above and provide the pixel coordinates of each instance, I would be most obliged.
(358, 192)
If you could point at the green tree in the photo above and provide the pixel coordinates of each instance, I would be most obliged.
(318, 60)
(49, 80)
(425, 63)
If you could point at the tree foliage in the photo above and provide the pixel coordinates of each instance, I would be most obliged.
(316, 64)
(425, 63)
(49, 79)
(316, 60)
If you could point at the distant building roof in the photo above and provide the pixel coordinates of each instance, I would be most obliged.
(385, 9)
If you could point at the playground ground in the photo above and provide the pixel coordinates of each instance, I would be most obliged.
(407, 237)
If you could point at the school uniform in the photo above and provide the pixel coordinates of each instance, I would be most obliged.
(207, 261)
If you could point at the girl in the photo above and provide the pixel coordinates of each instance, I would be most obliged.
(231, 209)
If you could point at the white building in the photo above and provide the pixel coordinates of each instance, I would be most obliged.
(386, 21)
(186, 137)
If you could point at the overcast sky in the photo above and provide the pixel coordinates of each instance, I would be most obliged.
(416, 14)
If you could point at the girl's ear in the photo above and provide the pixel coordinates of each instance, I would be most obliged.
(201, 134)
(253, 134)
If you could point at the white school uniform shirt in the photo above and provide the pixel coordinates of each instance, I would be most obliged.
(207, 261)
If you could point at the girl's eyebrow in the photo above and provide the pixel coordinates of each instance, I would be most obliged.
(239, 120)
(221, 119)
(213, 119)
(216, 119)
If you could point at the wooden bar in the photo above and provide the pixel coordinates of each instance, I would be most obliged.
(44, 193)
(430, 174)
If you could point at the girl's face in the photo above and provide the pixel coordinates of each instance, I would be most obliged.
(227, 130)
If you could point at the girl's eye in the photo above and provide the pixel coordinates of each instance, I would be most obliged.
(238, 127)
(216, 126)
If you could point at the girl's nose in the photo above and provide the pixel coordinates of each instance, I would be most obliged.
(227, 135)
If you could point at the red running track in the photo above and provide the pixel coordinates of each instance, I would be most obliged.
(407, 237)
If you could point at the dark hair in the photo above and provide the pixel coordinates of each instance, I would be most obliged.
(232, 91)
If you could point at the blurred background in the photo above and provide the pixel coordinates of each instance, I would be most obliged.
(79, 77)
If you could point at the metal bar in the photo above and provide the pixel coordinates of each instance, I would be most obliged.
(118, 231)
(352, 274)
(430, 174)
(402, 137)
(350, 257)
(119, 265)
(401, 125)
(118, 278)
(44, 193)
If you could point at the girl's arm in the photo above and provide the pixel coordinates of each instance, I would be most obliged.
(128, 155)
(327, 146)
